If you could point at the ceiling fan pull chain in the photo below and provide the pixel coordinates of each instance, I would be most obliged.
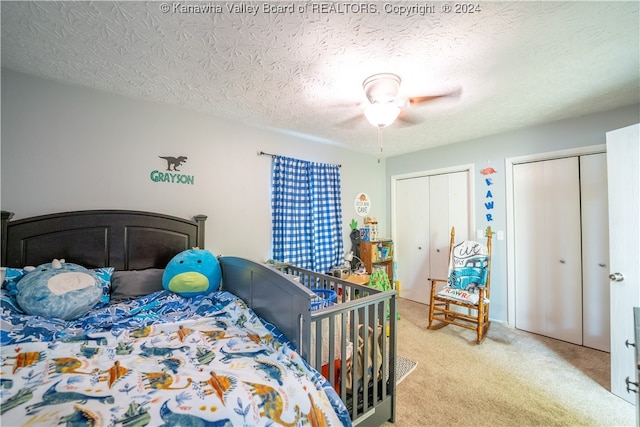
(380, 142)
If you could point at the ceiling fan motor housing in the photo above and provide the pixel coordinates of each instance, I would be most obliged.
(381, 88)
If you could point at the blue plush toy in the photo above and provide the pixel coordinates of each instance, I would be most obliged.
(59, 289)
(192, 272)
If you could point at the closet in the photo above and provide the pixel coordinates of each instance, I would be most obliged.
(426, 207)
(561, 249)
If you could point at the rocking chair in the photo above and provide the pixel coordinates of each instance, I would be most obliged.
(464, 301)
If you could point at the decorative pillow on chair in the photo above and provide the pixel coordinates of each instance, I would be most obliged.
(59, 290)
(468, 266)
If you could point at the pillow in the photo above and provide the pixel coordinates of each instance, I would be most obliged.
(468, 266)
(13, 275)
(127, 285)
(59, 290)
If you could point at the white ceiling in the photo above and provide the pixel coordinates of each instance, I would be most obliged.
(516, 63)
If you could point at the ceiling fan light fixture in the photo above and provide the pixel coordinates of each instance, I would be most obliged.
(382, 114)
(381, 88)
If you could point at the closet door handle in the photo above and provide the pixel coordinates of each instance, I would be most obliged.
(602, 264)
(563, 261)
(616, 277)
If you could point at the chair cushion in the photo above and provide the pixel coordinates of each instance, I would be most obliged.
(461, 295)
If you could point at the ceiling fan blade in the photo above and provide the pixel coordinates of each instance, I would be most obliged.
(417, 100)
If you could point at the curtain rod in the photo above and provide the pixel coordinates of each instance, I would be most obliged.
(262, 153)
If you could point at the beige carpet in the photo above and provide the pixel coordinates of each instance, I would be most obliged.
(512, 379)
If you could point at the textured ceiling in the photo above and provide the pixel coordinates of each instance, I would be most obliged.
(515, 63)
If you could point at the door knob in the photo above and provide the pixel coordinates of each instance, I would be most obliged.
(616, 277)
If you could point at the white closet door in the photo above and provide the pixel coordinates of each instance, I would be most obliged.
(548, 248)
(411, 245)
(426, 208)
(448, 207)
(595, 252)
(530, 273)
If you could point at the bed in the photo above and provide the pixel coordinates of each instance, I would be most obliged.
(260, 351)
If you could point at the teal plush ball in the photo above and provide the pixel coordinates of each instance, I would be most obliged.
(192, 272)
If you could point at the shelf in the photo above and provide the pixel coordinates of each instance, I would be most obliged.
(371, 254)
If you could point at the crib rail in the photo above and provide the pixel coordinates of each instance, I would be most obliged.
(353, 342)
(365, 320)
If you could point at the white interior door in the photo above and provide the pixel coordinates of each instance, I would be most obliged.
(596, 324)
(623, 177)
(411, 245)
(548, 273)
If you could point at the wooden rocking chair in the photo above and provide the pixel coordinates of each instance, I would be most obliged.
(464, 301)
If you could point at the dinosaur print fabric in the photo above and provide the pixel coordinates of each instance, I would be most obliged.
(159, 360)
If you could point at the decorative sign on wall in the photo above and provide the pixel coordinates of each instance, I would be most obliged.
(362, 204)
(488, 198)
(172, 166)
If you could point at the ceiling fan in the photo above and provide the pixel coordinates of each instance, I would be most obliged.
(384, 105)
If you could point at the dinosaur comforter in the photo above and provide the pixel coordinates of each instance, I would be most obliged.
(159, 360)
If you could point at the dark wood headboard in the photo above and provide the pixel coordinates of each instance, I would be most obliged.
(123, 239)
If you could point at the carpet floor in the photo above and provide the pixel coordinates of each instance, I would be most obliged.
(513, 378)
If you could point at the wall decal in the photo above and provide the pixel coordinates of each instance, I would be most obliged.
(174, 178)
(487, 171)
(488, 204)
(174, 161)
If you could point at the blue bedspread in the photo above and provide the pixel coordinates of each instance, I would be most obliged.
(159, 360)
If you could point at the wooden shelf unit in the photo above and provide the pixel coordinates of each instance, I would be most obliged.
(371, 256)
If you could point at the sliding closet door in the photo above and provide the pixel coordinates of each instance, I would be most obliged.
(426, 208)
(595, 252)
(412, 240)
(448, 207)
(548, 271)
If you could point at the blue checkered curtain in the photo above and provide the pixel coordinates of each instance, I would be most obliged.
(306, 214)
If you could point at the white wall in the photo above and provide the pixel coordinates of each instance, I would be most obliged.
(68, 148)
(492, 151)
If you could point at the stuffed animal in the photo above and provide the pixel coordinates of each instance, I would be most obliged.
(192, 272)
(59, 290)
